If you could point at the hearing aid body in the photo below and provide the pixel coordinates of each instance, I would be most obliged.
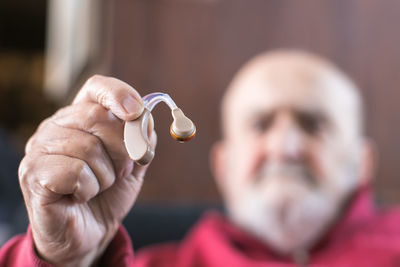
(136, 138)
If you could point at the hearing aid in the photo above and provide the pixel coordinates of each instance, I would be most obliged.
(136, 137)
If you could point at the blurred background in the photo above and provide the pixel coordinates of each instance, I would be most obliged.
(190, 49)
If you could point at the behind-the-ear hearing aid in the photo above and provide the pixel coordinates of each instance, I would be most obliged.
(136, 138)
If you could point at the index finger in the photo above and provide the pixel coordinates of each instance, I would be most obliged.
(119, 97)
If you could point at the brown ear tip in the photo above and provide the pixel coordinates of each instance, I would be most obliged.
(181, 138)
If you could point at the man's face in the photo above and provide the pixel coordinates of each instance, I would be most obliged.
(290, 153)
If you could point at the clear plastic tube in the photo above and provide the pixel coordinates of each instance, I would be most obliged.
(182, 128)
(151, 100)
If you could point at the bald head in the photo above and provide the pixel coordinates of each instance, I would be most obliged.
(295, 75)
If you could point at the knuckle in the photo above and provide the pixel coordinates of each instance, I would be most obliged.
(99, 86)
(102, 97)
(106, 183)
(96, 112)
(126, 168)
(92, 147)
(77, 166)
(60, 146)
(25, 169)
(30, 144)
(76, 169)
(33, 140)
(94, 79)
(43, 124)
(60, 112)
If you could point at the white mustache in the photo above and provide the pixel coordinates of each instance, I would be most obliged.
(285, 171)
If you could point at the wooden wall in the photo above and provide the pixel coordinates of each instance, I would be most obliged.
(192, 48)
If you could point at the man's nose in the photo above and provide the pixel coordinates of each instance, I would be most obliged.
(285, 141)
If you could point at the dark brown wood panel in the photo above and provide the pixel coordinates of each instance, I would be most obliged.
(191, 49)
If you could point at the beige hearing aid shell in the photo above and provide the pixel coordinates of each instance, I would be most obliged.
(137, 142)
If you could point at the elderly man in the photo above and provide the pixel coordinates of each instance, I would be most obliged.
(293, 168)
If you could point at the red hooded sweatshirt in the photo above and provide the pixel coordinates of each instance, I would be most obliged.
(364, 237)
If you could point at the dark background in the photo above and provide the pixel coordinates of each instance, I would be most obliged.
(191, 50)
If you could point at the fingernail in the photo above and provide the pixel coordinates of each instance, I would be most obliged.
(132, 105)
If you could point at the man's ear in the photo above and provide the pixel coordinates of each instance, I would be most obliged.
(369, 161)
(218, 163)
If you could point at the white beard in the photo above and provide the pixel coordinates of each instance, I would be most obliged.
(286, 207)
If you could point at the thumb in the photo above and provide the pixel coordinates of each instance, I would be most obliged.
(115, 95)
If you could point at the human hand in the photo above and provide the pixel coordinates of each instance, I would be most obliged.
(77, 179)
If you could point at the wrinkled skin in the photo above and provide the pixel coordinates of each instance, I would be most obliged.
(77, 179)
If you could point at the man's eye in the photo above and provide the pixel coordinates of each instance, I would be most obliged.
(309, 123)
(262, 124)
